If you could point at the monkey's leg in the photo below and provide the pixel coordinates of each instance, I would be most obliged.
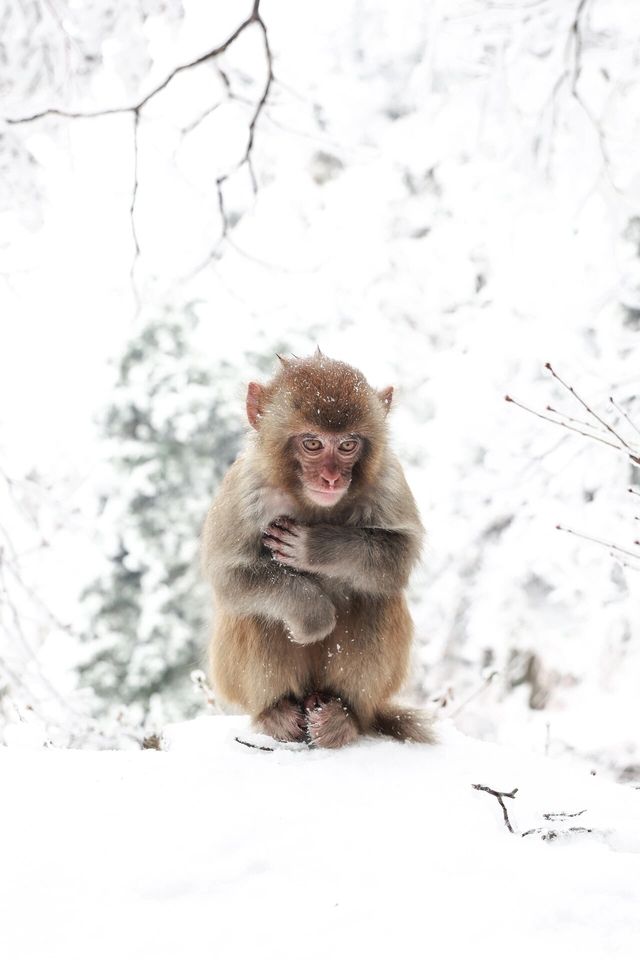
(255, 665)
(285, 720)
(330, 722)
(365, 663)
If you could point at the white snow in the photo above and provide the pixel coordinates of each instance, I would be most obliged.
(211, 848)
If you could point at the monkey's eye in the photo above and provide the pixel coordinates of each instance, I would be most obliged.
(348, 446)
(312, 444)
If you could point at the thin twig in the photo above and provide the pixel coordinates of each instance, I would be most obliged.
(603, 543)
(132, 207)
(568, 419)
(563, 816)
(596, 416)
(546, 834)
(625, 415)
(475, 693)
(246, 159)
(254, 746)
(253, 17)
(561, 423)
(499, 794)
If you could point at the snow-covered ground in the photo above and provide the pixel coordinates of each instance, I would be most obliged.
(211, 848)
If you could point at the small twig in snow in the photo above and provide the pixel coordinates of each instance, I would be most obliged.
(563, 816)
(474, 693)
(499, 794)
(254, 746)
(545, 834)
(199, 680)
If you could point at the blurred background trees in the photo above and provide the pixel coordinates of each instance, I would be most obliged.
(445, 195)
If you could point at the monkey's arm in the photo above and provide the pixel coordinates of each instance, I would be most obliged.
(275, 592)
(246, 581)
(373, 560)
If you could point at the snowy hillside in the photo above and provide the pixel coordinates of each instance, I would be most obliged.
(212, 848)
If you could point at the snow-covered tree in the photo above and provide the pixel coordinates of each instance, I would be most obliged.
(172, 431)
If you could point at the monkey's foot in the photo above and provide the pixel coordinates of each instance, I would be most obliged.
(285, 720)
(329, 722)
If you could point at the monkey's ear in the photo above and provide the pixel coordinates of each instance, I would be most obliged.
(255, 396)
(386, 396)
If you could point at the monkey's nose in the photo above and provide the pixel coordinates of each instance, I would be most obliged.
(329, 476)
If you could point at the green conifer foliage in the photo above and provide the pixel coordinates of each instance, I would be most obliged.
(173, 429)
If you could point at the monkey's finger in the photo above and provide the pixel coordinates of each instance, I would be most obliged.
(284, 523)
(282, 535)
(273, 543)
(282, 558)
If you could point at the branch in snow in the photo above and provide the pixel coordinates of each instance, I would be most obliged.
(254, 746)
(499, 794)
(553, 833)
(546, 834)
(563, 816)
(199, 680)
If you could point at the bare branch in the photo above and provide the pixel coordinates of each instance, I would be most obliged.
(567, 419)
(603, 543)
(576, 43)
(624, 413)
(475, 693)
(561, 423)
(135, 109)
(545, 834)
(132, 206)
(499, 794)
(563, 816)
(246, 159)
(569, 423)
(586, 406)
(254, 746)
(254, 17)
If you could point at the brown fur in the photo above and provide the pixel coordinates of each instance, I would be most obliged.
(337, 619)
(331, 724)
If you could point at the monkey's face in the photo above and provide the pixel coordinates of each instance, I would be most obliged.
(326, 462)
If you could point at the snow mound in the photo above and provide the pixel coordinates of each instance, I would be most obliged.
(214, 848)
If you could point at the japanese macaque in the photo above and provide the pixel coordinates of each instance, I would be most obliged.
(309, 545)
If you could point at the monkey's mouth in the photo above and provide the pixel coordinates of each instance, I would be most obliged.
(326, 497)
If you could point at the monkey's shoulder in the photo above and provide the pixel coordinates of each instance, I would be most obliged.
(389, 503)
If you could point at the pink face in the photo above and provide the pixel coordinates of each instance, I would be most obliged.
(326, 461)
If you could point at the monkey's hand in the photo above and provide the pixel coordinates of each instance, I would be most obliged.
(315, 623)
(371, 559)
(288, 543)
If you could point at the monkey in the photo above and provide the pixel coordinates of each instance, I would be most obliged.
(308, 547)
